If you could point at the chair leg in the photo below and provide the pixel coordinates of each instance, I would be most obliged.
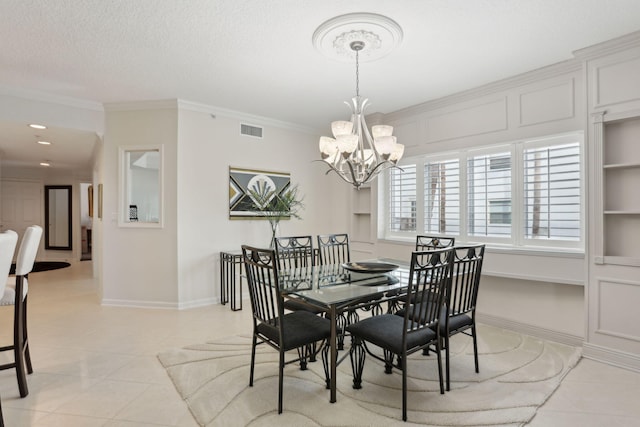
(18, 345)
(388, 361)
(302, 355)
(438, 351)
(357, 356)
(325, 363)
(280, 381)
(25, 341)
(446, 360)
(313, 351)
(475, 346)
(253, 359)
(341, 323)
(404, 387)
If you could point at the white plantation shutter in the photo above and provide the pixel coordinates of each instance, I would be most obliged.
(402, 199)
(442, 197)
(489, 195)
(525, 194)
(552, 201)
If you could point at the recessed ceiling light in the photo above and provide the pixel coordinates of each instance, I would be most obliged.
(36, 126)
(45, 164)
(44, 143)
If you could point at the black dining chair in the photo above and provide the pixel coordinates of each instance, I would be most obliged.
(460, 305)
(294, 252)
(297, 253)
(333, 249)
(271, 326)
(399, 337)
(425, 243)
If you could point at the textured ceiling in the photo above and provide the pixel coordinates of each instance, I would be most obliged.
(257, 56)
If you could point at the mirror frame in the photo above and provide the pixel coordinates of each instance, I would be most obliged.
(47, 216)
(123, 199)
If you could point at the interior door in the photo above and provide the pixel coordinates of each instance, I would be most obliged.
(21, 205)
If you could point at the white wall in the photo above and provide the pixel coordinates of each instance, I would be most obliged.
(207, 147)
(139, 264)
(520, 288)
(177, 266)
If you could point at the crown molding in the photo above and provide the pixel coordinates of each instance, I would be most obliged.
(245, 117)
(32, 95)
(161, 104)
(608, 47)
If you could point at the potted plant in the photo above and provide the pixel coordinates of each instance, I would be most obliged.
(278, 206)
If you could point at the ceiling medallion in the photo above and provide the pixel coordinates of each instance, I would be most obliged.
(380, 36)
(355, 153)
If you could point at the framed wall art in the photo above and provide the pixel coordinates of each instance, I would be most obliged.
(250, 192)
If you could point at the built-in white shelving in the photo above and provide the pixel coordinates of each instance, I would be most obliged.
(621, 185)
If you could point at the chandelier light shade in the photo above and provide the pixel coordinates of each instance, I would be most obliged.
(356, 154)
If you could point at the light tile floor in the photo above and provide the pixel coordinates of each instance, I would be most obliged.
(97, 366)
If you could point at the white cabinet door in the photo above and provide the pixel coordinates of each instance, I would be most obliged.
(20, 205)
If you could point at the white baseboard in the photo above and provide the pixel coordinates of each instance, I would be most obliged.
(536, 331)
(160, 305)
(613, 357)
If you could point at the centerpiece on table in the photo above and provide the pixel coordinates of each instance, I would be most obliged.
(276, 206)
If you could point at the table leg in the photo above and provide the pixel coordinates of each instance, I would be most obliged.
(223, 279)
(234, 306)
(333, 350)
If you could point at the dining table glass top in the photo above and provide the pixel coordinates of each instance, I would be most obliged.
(333, 284)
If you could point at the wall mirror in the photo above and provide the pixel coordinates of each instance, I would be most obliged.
(57, 217)
(140, 186)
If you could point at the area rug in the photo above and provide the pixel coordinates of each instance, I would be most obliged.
(43, 266)
(518, 373)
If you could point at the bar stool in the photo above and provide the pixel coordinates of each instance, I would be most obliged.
(13, 288)
(8, 241)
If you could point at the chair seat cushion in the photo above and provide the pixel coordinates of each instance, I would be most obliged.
(300, 328)
(460, 321)
(386, 331)
(9, 297)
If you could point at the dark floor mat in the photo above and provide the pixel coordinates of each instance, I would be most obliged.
(43, 266)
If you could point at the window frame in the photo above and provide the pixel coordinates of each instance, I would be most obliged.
(518, 193)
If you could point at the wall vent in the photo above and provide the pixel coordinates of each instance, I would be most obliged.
(249, 130)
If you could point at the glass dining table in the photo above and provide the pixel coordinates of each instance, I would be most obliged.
(335, 289)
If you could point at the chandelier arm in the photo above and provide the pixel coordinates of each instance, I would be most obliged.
(353, 174)
(334, 169)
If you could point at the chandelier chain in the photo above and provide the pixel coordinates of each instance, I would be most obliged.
(357, 74)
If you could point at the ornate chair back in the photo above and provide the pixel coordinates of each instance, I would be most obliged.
(333, 249)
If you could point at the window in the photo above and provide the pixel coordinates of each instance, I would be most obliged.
(552, 192)
(402, 200)
(499, 212)
(526, 193)
(489, 185)
(442, 197)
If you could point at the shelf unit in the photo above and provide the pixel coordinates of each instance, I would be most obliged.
(361, 215)
(620, 190)
(362, 232)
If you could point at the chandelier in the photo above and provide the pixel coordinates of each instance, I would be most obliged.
(356, 154)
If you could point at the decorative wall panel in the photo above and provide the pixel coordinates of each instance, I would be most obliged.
(547, 104)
